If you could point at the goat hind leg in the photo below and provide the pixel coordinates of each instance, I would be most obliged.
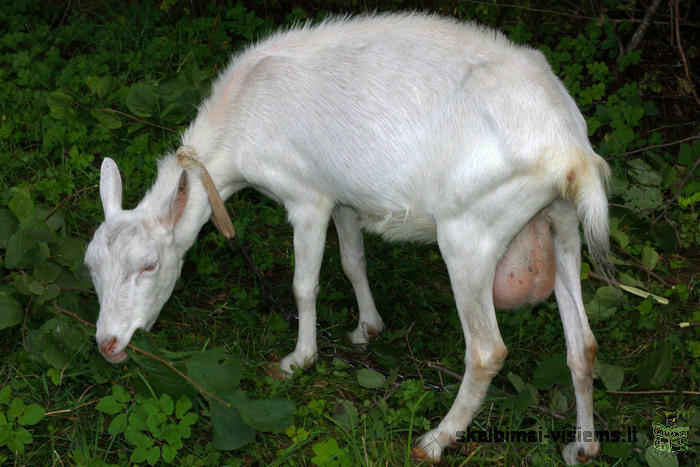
(352, 256)
(471, 266)
(580, 342)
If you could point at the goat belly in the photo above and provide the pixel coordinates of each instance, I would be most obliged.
(525, 274)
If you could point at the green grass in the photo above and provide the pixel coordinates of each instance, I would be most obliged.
(65, 103)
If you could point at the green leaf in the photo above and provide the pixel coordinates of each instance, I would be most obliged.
(5, 395)
(657, 458)
(117, 425)
(8, 226)
(552, 371)
(139, 455)
(155, 422)
(22, 205)
(24, 251)
(23, 437)
(516, 381)
(559, 402)
(650, 258)
(141, 100)
(60, 105)
(109, 120)
(12, 313)
(524, 399)
(49, 293)
(268, 415)
(216, 371)
(643, 173)
(617, 450)
(663, 234)
(609, 295)
(329, 453)
(611, 375)
(369, 378)
(109, 405)
(641, 197)
(47, 272)
(656, 367)
(171, 434)
(166, 404)
(138, 439)
(152, 455)
(182, 406)
(168, 452)
(229, 430)
(161, 378)
(190, 418)
(69, 251)
(348, 416)
(16, 409)
(618, 235)
(32, 415)
(174, 114)
(102, 86)
(121, 395)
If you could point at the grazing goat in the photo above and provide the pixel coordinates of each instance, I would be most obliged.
(410, 126)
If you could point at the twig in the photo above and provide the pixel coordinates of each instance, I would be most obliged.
(666, 391)
(267, 290)
(602, 422)
(58, 412)
(408, 343)
(79, 289)
(548, 411)
(656, 146)
(26, 312)
(65, 200)
(684, 181)
(442, 369)
(641, 29)
(641, 267)
(70, 313)
(199, 388)
(133, 117)
(184, 376)
(677, 29)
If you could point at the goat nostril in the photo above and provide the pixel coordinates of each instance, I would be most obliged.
(108, 347)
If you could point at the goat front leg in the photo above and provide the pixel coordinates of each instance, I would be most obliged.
(309, 221)
(580, 343)
(352, 257)
(471, 262)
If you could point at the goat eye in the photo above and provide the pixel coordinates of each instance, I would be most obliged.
(150, 267)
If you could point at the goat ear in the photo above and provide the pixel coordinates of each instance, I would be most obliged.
(178, 200)
(110, 187)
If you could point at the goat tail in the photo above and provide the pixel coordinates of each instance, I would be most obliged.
(585, 184)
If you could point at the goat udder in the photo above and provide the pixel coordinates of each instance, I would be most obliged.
(525, 274)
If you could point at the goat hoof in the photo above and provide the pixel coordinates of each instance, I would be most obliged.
(581, 456)
(273, 369)
(419, 455)
(574, 454)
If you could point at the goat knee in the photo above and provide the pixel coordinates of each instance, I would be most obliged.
(485, 362)
(581, 361)
(305, 295)
(354, 265)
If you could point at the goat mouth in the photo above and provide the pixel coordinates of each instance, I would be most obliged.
(118, 358)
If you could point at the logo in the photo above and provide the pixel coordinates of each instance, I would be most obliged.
(669, 437)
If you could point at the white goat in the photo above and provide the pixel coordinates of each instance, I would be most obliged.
(414, 127)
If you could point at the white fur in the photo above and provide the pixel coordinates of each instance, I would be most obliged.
(410, 126)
